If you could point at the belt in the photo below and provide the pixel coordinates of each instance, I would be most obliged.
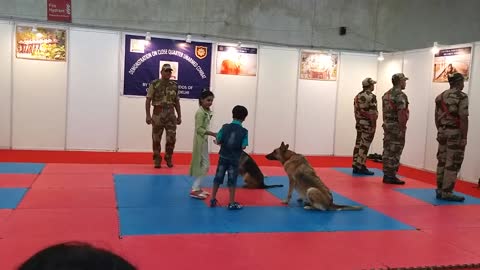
(449, 127)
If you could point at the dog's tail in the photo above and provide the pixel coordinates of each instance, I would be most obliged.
(271, 186)
(339, 207)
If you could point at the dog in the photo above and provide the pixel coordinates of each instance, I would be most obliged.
(303, 178)
(251, 173)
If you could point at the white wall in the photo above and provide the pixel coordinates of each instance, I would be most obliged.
(418, 67)
(315, 117)
(5, 82)
(93, 95)
(471, 165)
(39, 104)
(276, 98)
(353, 69)
(229, 91)
(392, 64)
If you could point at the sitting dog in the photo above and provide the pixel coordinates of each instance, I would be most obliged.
(251, 173)
(305, 181)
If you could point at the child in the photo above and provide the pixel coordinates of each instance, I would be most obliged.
(200, 159)
(232, 138)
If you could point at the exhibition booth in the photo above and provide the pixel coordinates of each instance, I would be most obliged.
(68, 88)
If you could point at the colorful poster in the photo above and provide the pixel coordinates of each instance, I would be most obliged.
(321, 66)
(41, 43)
(191, 64)
(449, 61)
(59, 10)
(234, 60)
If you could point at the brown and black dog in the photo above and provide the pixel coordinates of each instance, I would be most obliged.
(303, 178)
(251, 173)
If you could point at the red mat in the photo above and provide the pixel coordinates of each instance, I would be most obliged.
(68, 198)
(343, 250)
(74, 181)
(17, 180)
(71, 223)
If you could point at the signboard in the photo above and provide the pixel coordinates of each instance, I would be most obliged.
(59, 10)
(234, 60)
(449, 61)
(40, 43)
(320, 66)
(191, 63)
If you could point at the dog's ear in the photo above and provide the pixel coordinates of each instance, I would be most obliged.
(282, 145)
(286, 147)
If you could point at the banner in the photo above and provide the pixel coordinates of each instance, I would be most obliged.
(59, 10)
(40, 43)
(320, 66)
(191, 63)
(233, 60)
(449, 61)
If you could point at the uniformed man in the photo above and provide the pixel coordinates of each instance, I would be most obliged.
(366, 114)
(163, 95)
(451, 119)
(395, 117)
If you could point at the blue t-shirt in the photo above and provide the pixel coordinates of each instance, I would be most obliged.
(233, 138)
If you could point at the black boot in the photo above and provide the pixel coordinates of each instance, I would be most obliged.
(392, 180)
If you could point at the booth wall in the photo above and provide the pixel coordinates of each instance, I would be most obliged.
(5, 82)
(392, 64)
(353, 69)
(232, 90)
(471, 165)
(92, 96)
(418, 67)
(39, 103)
(276, 98)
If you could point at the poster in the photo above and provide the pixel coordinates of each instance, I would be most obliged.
(449, 61)
(40, 43)
(234, 60)
(321, 66)
(59, 10)
(191, 64)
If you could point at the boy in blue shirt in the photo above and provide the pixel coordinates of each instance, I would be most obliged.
(232, 138)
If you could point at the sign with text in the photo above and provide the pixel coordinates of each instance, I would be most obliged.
(59, 10)
(449, 61)
(234, 60)
(191, 63)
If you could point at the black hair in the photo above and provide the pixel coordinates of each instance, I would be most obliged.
(239, 112)
(205, 94)
(75, 255)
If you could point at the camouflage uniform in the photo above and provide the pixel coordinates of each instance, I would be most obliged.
(366, 114)
(393, 102)
(450, 105)
(164, 95)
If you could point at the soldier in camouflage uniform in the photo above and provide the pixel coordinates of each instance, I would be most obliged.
(366, 114)
(451, 119)
(162, 94)
(395, 117)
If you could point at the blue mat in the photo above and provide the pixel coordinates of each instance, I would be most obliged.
(11, 197)
(23, 168)
(428, 195)
(377, 172)
(159, 204)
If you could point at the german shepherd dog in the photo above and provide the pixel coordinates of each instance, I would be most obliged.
(303, 178)
(251, 173)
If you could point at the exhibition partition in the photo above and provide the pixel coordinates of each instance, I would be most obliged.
(80, 103)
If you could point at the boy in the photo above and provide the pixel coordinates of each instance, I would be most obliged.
(232, 138)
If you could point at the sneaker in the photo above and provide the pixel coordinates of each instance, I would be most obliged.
(197, 194)
(213, 202)
(234, 206)
(205, 192)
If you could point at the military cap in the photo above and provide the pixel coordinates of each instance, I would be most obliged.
(368, 81)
